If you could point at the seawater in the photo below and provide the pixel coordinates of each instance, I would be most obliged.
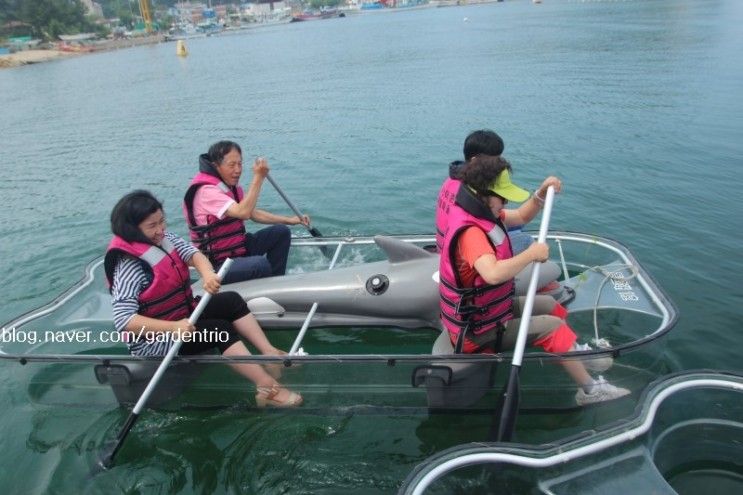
(636, 105)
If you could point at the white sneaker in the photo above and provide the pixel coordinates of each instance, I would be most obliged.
(602, 391)
(597, 364)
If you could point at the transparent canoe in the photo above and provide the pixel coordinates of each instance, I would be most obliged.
(685, 436)
(372, 340)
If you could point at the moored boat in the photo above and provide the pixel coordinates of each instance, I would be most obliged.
(184, 31)
(315, 15)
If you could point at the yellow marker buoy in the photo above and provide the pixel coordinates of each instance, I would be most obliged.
(180, 48)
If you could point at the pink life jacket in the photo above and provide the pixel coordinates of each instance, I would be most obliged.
(483, 307)
(447, 194)
(169, 296)
(219, 239)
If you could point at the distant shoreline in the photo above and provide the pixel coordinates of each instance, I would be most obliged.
(26, 57)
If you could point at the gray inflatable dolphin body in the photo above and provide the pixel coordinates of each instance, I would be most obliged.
(401, 291)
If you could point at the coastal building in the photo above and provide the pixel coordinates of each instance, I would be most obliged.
(264, 9)
(188, 12)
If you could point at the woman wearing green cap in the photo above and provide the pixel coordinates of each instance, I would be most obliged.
(477, 268)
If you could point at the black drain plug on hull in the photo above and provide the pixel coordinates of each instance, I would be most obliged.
(377, 285)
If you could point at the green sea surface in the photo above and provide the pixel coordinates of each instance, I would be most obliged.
(635, 104)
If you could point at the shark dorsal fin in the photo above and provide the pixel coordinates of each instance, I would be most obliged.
(398, 251)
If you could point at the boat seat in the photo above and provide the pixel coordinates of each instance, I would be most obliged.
(452, 384)
(128, 380)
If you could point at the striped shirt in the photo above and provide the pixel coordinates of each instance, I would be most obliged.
(129, 281)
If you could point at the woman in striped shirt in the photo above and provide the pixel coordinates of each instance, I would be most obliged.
(147, 268)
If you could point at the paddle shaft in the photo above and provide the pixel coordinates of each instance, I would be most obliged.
(313, 231)
(172, 352)
(531, 292)
(510, 395)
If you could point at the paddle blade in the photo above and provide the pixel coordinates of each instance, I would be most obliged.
(326, 250)
(106, 459)
(508, 408)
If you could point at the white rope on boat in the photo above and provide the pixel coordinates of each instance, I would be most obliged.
(565, 273)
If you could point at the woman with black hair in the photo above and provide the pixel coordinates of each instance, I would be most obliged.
(216, 208)
(477, 269)
(147, 271)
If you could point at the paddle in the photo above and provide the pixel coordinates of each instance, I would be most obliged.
(106, 460)
(510, 395)
(312, 230)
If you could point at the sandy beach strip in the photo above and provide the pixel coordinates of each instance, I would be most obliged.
(25, 57)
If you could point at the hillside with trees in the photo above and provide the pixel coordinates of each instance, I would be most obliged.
(45, 19)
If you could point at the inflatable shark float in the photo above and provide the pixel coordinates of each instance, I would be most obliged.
(401, 291)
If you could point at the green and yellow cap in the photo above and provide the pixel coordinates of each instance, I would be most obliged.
(505, 188)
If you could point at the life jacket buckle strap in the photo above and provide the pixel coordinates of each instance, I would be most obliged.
(462, 309)
(460, 339)
(499, 336)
